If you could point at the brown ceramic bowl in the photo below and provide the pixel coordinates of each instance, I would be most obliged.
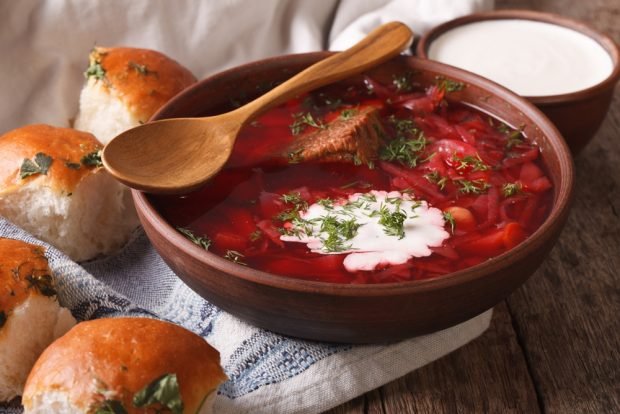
(577, 115)
(360, 313)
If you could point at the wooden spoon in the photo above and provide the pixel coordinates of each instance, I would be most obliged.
(179, 155)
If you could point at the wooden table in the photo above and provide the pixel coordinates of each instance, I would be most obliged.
(554, 344)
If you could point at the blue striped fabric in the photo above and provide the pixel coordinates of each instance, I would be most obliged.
(261, 365)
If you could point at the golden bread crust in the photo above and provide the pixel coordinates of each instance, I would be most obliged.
(65, 146)
(115, 358)
(23, 272)
(143, 79)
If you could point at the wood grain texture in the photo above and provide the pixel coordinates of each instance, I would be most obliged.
(487, 375)
(567, 315)
(554, 347)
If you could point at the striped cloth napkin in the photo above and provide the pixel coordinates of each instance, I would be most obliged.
(268, 372)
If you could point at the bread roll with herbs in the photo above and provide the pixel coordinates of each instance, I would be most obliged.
(125, 87)
(52, 185)
(30, 316)
(125, 365)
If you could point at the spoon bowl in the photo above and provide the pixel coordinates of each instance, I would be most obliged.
(177, 156)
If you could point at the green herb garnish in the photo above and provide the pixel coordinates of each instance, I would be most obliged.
(141, 69)
(295, 199)
(502, 127)
(298, 203)
(514, 138)
(405, 151)
(472, 187)
(362, 184)
(449, 218)
(92, 159)
(348, 113)
(235, 257)
(475, 162)
(448, 85)
(327, 203)
(164, 390)
(40, 165)
(288, 215)
(255, 235)
(302, 120)
(338, 233)
(331, 103)
(403, 82)
(2, 318)
(295, 157)
(404, 127)
(73, 165)
(510, 189)
(43, 283)
(201, 241)
(437, 179)
(393, 222)
(111, 407)
(95, 70)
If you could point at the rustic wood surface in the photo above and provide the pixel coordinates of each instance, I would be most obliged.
(553, 345)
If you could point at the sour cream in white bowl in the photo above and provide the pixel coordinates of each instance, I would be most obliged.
(565, 67)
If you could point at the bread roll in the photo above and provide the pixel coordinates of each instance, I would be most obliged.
(125, 87)
(52, 185)
(30, 316)
(114, 363)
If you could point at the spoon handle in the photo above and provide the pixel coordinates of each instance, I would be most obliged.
(380, 45)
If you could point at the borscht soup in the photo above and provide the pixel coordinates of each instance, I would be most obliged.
(369, 181)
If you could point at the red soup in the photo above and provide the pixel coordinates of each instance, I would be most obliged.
(369, 183)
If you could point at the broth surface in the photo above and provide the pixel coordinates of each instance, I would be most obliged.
(485, 177)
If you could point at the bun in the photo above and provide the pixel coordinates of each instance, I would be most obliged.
(107, 362)
(30, 316)
(125, 87)
(52, 185)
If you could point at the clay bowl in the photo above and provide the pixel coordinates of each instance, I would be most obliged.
(577, 115)
(360, 313)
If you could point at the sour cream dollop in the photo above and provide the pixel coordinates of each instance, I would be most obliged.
(373, 229)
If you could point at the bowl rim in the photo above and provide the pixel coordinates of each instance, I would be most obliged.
(557, 215)
(605, 41)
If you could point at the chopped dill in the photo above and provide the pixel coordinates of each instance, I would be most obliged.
(403, 82)
(510, 189)
(405, 151)
(393, 222)
(437, 179)
(303, 120)
(295, 157)
(349, 113)
(448, 85)
(449, 219)
(201, 241)
(338, 233)
(514, 138)
(327, 203)
(472, 187)
(256, 235)
(235, 257)
(475, 162)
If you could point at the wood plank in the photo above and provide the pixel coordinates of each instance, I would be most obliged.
(487, 375)
(567, 314)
